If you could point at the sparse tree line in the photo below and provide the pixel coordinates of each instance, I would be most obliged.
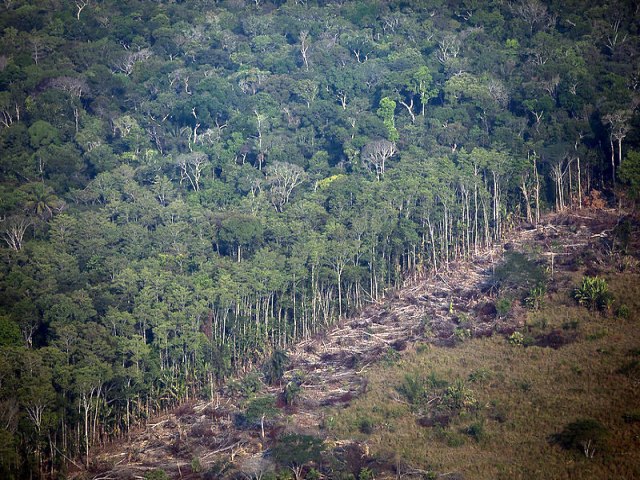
(188, 186)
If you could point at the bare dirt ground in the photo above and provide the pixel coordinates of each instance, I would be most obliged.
(438, 309)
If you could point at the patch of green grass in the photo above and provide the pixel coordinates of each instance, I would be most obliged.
(597, 335)
(366, 426)
(391, 356)
(481, 375)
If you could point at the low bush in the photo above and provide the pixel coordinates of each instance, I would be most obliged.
(418, 389)
(217, 470)
(535, 298)
(518, 274)
(462, 334)
(480, 375)
(156, 474)
(594, 294)
(246, 387)
(459, 397)
(630, 369)
(196, 466)
(622, 311)
(366, 426)
(366, 474)
(516, 338)
(452, 439)
(476, 431)
(503, 306)
(585, 435)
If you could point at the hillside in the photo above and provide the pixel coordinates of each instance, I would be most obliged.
(189, 189)
(371, 390)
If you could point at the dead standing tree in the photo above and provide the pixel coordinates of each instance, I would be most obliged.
(375, 155)
(619, 124)
(304, 48)
(13, 230)
(191, 167)
(282, 178)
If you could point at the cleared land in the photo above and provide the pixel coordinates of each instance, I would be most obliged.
(470, 373)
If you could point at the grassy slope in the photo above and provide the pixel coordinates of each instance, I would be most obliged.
(525, 394)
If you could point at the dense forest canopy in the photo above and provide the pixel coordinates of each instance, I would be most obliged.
(187, 186)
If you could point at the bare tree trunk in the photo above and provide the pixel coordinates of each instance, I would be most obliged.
(433, 246)
(570, 186)
(537, 189)
(579, 184)
(613, 161)
(409, 108)
(619, 150)
(527, 204)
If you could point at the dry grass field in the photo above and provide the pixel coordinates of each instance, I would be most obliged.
(521, 397)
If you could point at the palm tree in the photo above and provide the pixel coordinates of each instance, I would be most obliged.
(41, 200)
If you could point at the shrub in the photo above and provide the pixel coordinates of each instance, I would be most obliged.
(462, 334)
(632, 417)
(476, 431)
(416, 388)
(247, 386)
(313, 474)
(391, 356)
(413, 388)
(366, 474)
(463, 320)
(275, 367)
(622, 311)
(570, 325)
(480, 375)
(498, 412)
(156, 474)
(535, 298)
(291, 392)
(622, 234)
(258, 410)
(630, 369)
(518, 274)
(294, 451)
(516, 338)
(459, 397)
(503, 306)
(594, 294)
(366, 426)
(453, 439)
(585, 435)
(196, 466)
